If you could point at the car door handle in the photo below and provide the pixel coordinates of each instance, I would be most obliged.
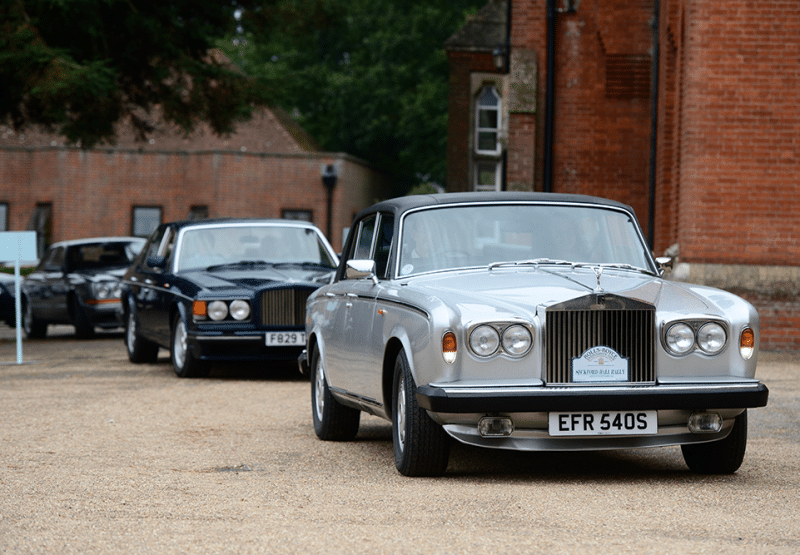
(149, 281)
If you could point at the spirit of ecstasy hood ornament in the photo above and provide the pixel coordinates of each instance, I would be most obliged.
(598, 271)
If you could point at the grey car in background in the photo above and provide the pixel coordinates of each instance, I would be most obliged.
(526, 321)
(78, 282)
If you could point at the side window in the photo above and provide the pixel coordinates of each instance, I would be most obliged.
(154, 244)
(55, 261)
(366, 231)
(383, 245)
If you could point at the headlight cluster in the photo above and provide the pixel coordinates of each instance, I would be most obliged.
(218, 311)
(513, 339)
(103, 290)
(682, 338)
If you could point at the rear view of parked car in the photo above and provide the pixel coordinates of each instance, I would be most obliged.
(77, 283)
(526, 321)
(223, 290)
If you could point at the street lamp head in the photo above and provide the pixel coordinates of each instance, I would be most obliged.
(499, 56)
(329, 175)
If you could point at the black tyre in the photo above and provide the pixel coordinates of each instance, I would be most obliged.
(719, 457)
(83, 327)
(332, 420)
(421, 446)
(139, 349)
(184, 363)
(34, 328)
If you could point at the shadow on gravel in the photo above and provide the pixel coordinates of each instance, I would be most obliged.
(471, 464)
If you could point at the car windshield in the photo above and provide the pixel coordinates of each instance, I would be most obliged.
(469, 236)
(205, 247)
(103, 255)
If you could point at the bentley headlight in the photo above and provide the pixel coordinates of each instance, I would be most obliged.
(711, 338)
(680, 338)
(104, 289)
(517, 340)
(484, 341)
(217, 310)
(240, 310)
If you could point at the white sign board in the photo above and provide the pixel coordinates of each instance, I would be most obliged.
(18, 247)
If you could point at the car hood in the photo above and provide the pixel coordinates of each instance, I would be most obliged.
(512, 291)
(100, 274)
(253, 279)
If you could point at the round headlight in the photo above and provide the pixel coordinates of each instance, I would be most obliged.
(680, 338)
(240, 310)
(484, 341)
(711, 338)
(103, 290)
(217, 310)
(517, 340)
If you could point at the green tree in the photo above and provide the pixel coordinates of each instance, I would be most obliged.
(80, 66)
(366, 77)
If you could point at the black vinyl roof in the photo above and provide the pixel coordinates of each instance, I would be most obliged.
(403, 204)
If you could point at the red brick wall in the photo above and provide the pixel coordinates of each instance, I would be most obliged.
(738, 131)
(93, 192)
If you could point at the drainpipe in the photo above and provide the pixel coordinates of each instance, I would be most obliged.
(651, 226)
(549, 107)
(507, 68)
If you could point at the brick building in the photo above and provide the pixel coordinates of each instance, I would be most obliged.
(687, 110)
(269, 168)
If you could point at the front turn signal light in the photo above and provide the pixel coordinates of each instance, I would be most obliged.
(199, 309)
(449, 347)
(747, 343)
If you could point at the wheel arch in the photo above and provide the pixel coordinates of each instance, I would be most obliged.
(393, 348)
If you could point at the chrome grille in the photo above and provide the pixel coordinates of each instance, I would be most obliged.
(629, 331)
(284, 307)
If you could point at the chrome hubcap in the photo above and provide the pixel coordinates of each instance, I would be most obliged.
(180, 344)
(319, 388)
(401, 413)
(131, 331)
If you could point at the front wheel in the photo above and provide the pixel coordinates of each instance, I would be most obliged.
(332, 420)
(139, 349)
(421, 446)
(186, 365)
(719, 457)
(83, 327)
(34, 328)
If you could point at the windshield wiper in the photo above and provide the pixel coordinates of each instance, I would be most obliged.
(247, 263)
(304, 265)
(611, 265)
(532, 262)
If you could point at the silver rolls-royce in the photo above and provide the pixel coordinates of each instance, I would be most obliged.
(526, 321)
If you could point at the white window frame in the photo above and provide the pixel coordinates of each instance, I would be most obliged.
(497, 129)
(498, 175)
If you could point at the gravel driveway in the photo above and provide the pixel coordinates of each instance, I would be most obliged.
(98, 455)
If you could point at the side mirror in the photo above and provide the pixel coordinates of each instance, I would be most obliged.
(157, 262)
(361, 269)
(664, 262)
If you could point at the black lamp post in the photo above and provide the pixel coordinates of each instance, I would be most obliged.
(329, 177)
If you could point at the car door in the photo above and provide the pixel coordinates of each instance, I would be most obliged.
(150, 295)
(54, 287)
(355, 351)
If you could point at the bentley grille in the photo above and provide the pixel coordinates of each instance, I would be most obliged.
(570, 333)
(284, 307)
